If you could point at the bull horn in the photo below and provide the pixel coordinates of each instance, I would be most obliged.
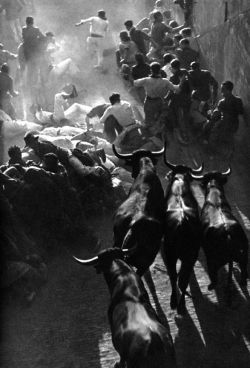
(199, 170)
(128, 251)
(158, 153)
(87, 262)
(227, 172)
(196, 177)
(122, 156)
(171, 166)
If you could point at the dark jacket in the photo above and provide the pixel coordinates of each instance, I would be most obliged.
(201, 80)
(32, 37)
(139, 39)
(186, 56)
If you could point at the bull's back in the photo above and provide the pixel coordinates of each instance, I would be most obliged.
(182, 232)
(142, 341)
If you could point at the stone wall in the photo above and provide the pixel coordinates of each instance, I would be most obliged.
(224, 28)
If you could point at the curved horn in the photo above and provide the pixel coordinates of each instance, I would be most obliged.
(128, 251)
(87, 262)
(123, 156)
(196, 177)
(227, 172)
(199, 170)
(160, 152)
(171, 166)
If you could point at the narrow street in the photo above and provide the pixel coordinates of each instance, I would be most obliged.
(67, 326)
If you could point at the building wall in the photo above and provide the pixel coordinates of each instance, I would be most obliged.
(225, 40)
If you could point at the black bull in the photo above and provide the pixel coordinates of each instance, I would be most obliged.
(224, 239)
(137, 334)
(182, 231)
(138, 221)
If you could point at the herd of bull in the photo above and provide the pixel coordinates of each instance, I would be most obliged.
(146, 217)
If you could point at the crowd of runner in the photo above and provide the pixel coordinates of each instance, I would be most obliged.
(158, 61)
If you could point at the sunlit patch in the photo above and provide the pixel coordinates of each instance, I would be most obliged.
(108, 355)
(246, 341)
(199, 329)
(198, 195)
(244, 218)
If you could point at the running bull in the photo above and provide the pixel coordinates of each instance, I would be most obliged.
(138, 221)
(182, 230)
(137, 334)
(224, 238)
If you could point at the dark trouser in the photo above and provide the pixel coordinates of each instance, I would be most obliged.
(152, 109)
(112, 128)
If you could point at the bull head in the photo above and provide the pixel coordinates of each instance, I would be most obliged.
(133, 159)
(139, 153)
(110, 254)
(224, 174)
(183, 168)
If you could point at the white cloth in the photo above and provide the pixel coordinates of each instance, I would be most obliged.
(122, 111)
(167, 69)
(98, 26)
(59, 105)
(96, 45)
(76, 112)
(156, 87)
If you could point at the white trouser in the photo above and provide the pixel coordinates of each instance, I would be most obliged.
(96, 46)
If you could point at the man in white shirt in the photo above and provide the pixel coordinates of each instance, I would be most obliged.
(156, 89)
(98, 30)
(61, 104)
(117, 118)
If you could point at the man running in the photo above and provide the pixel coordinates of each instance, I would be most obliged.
(98, 30)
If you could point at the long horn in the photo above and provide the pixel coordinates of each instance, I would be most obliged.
(87, 262)
(158, 153)
(171, 166)
(196, 177)
(128, 251)
(122, 156)
(199, 170)
(227, 172)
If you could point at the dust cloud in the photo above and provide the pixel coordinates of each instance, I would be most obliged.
(60, 16)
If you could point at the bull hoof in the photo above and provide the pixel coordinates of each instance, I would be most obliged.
(182, 310)
(211, 286)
